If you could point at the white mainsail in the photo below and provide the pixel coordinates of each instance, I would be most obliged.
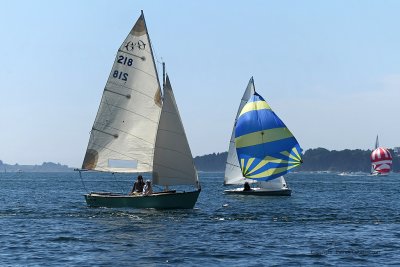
(173, 161)
(233, 173)
(124, 131)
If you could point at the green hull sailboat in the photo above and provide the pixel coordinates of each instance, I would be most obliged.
(138, 129)
(161, 200)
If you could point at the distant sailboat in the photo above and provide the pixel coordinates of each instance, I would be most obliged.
(261, 149)
(137, 131)
(381, 160)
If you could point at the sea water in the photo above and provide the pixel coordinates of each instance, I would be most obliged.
(330, 220)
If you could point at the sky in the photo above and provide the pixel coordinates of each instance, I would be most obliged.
(329, 69)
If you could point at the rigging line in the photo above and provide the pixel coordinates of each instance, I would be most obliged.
(104, 147)
(129, 88)
(83, 183)
(130, 111)
(117, 182)
(152, 52)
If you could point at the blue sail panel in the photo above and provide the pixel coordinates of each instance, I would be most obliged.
(265, 147)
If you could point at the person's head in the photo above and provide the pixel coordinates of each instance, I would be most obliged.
(140, 178)
(148, 182)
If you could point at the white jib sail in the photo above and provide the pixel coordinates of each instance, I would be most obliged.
(233, 173)
(123, 134)
(173, 161)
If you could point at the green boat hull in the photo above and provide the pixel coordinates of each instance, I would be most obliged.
(169, 200)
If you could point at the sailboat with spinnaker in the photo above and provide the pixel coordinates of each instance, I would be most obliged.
(139, 130)
(381, 160)
(261, 149)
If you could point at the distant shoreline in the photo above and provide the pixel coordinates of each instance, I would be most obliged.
(315, 160)
(45, 167)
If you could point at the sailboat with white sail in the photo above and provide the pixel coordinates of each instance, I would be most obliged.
(261, 149)
(139, 130)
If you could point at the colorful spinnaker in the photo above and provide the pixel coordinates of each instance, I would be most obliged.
(381, 161)
(265, 147)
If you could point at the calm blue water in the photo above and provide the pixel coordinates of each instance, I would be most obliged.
(329, 220)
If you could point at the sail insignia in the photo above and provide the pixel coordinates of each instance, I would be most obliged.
(265, 147)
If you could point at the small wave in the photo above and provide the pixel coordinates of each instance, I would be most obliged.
(63, 239)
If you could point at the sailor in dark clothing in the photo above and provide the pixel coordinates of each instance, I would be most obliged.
(246, 187)
(137, 186)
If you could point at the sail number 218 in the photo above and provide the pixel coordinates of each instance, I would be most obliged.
(125, 60)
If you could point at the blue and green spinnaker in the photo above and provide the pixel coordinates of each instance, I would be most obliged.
(265, 147)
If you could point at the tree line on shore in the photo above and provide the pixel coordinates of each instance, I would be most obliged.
(318, 159)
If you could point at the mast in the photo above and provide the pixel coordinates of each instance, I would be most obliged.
(151, 48)
(158, 81)
(163, 74)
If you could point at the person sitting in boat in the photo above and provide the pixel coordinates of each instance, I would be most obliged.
(137, 186)
(147, 189)
(246, 187)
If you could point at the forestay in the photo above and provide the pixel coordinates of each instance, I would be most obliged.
(123, 134)
(173, 161)
(266, 148)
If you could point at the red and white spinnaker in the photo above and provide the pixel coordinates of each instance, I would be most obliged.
(381, 161)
